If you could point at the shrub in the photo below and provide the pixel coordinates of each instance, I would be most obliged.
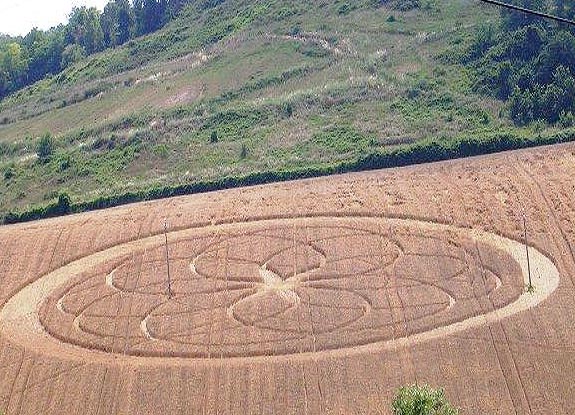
(422, 400)
(295, 31)
(9, 173)
(287, 110)
(45, 148)
(214, 137)
(64, 162)
(63, 204)
(567, 119)
(344, 9)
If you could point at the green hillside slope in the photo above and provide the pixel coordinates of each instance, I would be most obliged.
(235, 87)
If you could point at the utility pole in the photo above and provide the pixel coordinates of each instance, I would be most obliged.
(167, 258)
(530, 286)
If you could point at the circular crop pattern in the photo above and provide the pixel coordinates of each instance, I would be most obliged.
(281, 287)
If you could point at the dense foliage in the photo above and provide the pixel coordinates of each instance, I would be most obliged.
(528, 62)
(25, 60)
(421, 400)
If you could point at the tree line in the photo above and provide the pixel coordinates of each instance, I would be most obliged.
(25, 60)
(528, 62)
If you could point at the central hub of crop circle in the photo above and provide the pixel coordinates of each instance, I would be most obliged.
(284, 286)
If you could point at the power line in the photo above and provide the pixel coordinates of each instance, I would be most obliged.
(529, 11)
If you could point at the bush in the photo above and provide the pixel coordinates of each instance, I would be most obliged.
(214, 137)
(421, 400)
(9, 172)
(64, 162)
(63, 205)
(45, 148)
(345, 9)
(287, 110)
(567, 119)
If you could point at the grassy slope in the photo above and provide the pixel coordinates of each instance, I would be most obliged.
(295, 85)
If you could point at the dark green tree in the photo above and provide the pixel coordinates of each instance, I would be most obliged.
(45, 148)
(64, 203)
(117, 21)
(126, 21)
(85, 29)
(109, 24)
(173, 7)
(565, 8)
(150, 15)
(514, 20)
(44, 50)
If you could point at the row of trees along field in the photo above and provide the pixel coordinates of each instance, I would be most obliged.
(25, 60)
(529, 62)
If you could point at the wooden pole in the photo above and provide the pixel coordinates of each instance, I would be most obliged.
(167, 258)
(530, 287)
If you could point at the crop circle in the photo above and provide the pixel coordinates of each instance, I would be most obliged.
(281, 287)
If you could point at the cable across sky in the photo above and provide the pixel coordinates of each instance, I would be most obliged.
(529, 11)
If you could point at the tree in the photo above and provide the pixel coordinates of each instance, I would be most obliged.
(484, 38)
(109, 24)
(138, 6)
(149, 15)
(504, 79)
(117, 21)
(173, 7)
(421, 400)
(126, 21)
(15, 65)
(85, 29)
(54, 48)
(565, 8)
(44, 50)
(514, 19)
(72, 54)
(64, 203)
(45, 148)
(36, 43)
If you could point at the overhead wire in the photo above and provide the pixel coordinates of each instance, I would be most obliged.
(530, 11)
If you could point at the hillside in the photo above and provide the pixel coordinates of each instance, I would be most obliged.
(235, 87)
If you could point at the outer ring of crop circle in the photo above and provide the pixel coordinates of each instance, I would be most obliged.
(19, 318)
